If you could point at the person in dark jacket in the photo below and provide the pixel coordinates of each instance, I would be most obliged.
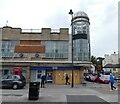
(43, 79)
(112, 81)
(67, 79)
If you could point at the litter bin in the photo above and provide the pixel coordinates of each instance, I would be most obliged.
(34, 90)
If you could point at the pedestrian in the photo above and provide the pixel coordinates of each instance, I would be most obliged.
(67, 79)
(43, 79)
(112, 81)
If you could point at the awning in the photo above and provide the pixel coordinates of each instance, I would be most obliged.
(40, 68)
(68, 68)
(55, 68)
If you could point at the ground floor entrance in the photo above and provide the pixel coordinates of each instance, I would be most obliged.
(57, 75)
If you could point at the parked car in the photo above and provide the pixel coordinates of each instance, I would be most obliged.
(90, 77)
(12, 81)
(104, 79)
(117, 78)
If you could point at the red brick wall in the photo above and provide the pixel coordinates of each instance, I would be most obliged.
(30, 49)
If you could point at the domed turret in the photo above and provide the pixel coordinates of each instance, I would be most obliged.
(80, 14)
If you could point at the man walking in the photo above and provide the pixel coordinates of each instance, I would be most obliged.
(43, 78)
(67, 79)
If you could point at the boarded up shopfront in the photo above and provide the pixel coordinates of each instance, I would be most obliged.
(60, 74)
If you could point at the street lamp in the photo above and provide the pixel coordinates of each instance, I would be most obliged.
(71, 13)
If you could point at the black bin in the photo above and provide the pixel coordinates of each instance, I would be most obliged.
(34, 90)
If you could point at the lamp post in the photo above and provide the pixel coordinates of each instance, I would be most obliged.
(71, 13)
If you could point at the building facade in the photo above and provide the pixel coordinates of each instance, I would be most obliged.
(111, 63)
(44, 51)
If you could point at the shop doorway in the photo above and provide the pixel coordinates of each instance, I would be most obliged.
(49, 76)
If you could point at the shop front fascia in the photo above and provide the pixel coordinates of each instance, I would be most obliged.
(55, 69)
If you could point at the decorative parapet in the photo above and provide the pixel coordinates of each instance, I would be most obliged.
(10, 33)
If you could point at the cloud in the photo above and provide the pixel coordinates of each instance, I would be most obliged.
(104, 30)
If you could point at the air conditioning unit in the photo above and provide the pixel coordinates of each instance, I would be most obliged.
(21, 55)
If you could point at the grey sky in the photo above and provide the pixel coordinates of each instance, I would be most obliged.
(37, 14)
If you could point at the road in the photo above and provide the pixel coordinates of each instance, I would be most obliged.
(63, 93)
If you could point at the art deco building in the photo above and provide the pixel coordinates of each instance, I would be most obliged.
(45, 50)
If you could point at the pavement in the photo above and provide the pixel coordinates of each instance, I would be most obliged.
(92, 92)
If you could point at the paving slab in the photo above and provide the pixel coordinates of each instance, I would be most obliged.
(62, 94)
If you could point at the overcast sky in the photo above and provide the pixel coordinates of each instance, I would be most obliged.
(37, 14)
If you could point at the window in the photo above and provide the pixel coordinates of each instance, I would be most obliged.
(39, 76)
(16, 77)
(39, 72)
(4, 77)
(79, 32)
(8, 47)
(81, 50)
(9, 77)
(56, 49)
(84, 32)
(84, 27)
(114, 69)
(3, 50)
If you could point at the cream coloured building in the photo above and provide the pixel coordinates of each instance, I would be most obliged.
(46, 50)
(111, 63)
